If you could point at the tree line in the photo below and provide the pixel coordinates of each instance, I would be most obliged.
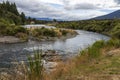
(9, 12)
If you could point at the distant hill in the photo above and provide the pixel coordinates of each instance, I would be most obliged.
(48, 19)
(113, 15)
(44, 19)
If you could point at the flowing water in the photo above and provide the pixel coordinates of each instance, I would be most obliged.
(70, 47)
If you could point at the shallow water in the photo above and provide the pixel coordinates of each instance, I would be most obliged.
(69, 47)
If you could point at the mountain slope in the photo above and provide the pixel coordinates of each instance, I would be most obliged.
(112, 15)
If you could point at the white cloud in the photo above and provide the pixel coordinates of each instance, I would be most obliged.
(66, 9)
(90, 4)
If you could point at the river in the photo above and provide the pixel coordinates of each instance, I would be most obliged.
(69, 47)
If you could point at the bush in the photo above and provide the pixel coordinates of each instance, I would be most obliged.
(116, 31)
(35, 67)
(94, 51)
(22, 36)
(114, 43)
(7, 29)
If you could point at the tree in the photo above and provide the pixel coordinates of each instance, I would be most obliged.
(23, 18)
(14, 9)
(54, 20)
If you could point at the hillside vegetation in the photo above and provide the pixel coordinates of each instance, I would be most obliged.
(10, 21)
(108, 27)
(9, 12)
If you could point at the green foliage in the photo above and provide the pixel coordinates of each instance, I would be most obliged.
(94, 52)
(114, 42)
(23, 18)
(35, 68)
(64, 32)
(116, 31)
(9, 12)
(44, 32)
(99, 44)
(109, 27)
(7, 29)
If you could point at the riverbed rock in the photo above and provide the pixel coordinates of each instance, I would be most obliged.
(52, 55)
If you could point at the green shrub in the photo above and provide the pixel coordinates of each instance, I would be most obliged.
(114, 42)
(44, 32)
(35, 66)
(64, 32)
(7, 29)
(94, 51)
(116, 31)
(99, 44)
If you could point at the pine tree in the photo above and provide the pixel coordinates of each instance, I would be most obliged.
(14, 9)
(7, 6)
(23, 18)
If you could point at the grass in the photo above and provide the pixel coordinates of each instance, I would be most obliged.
(35, 67)
(114, 42)
(93, 63)
(94, 50)
(101, 61)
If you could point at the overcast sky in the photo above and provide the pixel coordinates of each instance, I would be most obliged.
(66, 9)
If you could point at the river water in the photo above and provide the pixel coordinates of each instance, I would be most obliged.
(18, 51)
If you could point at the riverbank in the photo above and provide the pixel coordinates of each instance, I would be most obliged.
(101, 61)
(10, 39)
(39, 34)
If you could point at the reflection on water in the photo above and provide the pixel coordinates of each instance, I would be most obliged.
(10, 52)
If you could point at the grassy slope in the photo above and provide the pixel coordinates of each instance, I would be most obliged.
(89, 66)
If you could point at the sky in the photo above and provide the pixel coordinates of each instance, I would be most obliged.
(66, 9)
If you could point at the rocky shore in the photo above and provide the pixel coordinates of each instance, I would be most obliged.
(10, 39)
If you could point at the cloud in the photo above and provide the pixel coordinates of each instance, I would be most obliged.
(66, 9)
(84, 6)
(37, 8)
(117, 1)
(87, 4)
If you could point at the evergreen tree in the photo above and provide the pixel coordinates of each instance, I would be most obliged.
(8, 11)
(7, 6)
(23, 18)
(14, 9)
